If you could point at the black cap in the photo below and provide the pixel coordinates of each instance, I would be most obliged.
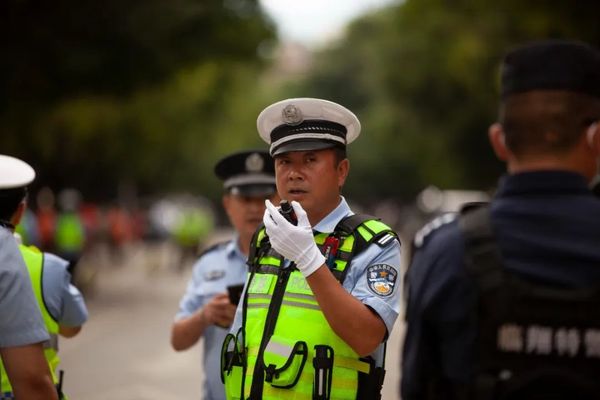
(247, 173)
(552, 65)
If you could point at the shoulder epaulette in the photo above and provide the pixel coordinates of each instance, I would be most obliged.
(471, 206)
(432, 226)
(213, 248)
(369, 228)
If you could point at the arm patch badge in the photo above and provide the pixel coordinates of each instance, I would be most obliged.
(214, 274)
(381, 279)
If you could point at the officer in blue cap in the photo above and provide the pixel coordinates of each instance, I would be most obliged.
(503, 299)
(22, 330)
(323, 291)
(208, 306)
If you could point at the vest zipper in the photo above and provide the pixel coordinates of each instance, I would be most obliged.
(258, 376)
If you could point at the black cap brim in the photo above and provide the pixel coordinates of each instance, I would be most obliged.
(304, 145)
(253, 190)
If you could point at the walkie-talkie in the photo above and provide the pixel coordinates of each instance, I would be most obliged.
(288, 212)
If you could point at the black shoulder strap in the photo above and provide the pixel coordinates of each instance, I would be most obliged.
(255, 248)
(482, 255)
(349, 224)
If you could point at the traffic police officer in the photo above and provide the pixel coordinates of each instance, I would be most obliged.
(498, 299)
(62, 305)
(206, 309)
(323, 291)
(22, 330)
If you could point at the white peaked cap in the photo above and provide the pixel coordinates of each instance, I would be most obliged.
(14, 173)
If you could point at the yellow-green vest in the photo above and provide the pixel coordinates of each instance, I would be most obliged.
(70, 233)
(284, 326)
(34, 259)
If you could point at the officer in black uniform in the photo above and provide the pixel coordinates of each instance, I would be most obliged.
(503, 299)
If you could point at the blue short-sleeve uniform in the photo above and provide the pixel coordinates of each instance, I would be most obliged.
(547, 227)
(387, 305)
(63, 300)
(223, 265)
(21, 322)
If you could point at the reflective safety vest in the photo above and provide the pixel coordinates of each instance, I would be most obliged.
(286, 348)
(34, 259)
(70, 233)
(534, 341)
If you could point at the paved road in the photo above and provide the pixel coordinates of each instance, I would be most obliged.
(123, 352)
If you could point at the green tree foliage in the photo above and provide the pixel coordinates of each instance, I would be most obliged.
(152, 93)
(94, 94)
(423, 78)
(59, 49)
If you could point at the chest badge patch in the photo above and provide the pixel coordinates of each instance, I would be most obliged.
(214, 274)
(381, 279)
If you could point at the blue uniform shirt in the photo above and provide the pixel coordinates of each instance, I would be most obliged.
(357, 280)
(547, 227)
(21, 322)
(222, 266)
(63, 300)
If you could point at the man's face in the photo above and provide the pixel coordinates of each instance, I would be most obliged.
(246, 212)
(313, 178)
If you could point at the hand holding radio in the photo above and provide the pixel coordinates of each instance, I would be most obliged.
(294, 242)
(219, 311)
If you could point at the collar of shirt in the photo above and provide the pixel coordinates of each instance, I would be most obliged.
(4, 233)
(328, 224)
(233, 248)
(542, 182)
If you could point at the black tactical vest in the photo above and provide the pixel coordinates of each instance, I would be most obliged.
(534, 341)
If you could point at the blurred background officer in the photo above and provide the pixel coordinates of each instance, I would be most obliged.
(62, 305)
(499, 300)
(22, 331)
(206, 309)
(319, 304)
(69, 237)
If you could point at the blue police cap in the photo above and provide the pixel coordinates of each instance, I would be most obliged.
(552, 65)
(247, 173)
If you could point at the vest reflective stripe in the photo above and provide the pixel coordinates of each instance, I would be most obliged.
(52, 343)
(258, 295)
(301, 305)
(34, 260)
(351, 363)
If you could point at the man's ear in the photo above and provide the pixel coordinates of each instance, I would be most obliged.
(498, 141)
(226, 201)
(343, 169)
(593, 137)
(16, 218)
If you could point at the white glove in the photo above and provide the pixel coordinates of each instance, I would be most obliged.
(294, 242)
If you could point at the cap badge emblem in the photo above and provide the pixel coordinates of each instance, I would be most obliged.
(254, 163)
(292, 115)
